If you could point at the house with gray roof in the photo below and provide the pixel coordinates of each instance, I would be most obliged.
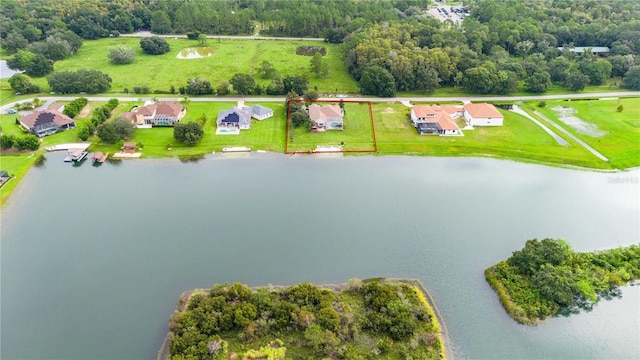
(592, 49)
(235, 119)
(260, 112)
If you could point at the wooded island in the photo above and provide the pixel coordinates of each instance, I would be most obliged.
(374, 318)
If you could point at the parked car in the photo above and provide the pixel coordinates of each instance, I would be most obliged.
(12, 111)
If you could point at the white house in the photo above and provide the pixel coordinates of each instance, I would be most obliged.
(434, 119)
(260, 112)
(482, 115)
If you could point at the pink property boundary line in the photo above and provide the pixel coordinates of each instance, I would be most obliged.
(373, 129)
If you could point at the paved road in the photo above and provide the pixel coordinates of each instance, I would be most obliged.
(516, 109)
(3, 108)
(564, 131)
(240, 37)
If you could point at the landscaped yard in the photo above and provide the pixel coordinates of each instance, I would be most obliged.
(268, 134)
(159, 72)
(616, 135)
(357, 133)
(518, 138)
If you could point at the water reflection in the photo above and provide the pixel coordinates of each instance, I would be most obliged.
(196, 52)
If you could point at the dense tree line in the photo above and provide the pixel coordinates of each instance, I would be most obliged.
(322, 322)
(82, 81)
(546, 276)
(501, 44)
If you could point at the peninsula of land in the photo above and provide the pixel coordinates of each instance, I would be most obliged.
(547, 277)
(389, 317)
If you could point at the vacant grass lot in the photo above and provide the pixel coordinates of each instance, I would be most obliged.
(621, 141)
(159, 72)
(519, 139)
(357, 133)
(268, 134)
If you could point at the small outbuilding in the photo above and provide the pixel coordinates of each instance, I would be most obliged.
(129, 147)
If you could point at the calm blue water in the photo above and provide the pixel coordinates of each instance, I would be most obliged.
(93, 259)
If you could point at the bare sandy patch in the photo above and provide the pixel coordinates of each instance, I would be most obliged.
(566, 115)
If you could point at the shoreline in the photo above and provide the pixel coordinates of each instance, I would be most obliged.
(5, 194)
(429, 303)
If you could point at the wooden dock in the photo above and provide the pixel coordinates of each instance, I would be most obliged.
(98, 157)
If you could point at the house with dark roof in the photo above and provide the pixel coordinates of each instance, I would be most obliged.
(435, 119)
(326, 117)
(156, 114)
(482, 114)
(4, 177)
(235, 118)
(47, 122)
(599, 50)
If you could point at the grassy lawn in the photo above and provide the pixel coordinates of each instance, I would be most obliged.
(519, 139)
(621, 140)
(357, 133)
(159, 72)
(268, 134)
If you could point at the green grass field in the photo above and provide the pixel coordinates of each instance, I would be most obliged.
(268, 134)
(357, 133)
(518, 138)
(159, 72)
(621, 143)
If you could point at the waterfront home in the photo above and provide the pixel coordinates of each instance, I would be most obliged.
(156, 114)
(129, 147)
(326, 117)
(482, 115)
(435, 119)
(48, 121)
(236, 118)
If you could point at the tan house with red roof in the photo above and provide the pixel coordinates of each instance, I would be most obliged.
(482, 115)
(156, 114)
(47, 122)
(326, 117)
(435, 119)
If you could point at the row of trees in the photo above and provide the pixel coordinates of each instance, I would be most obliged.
(22, 142)
(82, 81)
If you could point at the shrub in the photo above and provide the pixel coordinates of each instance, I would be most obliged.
(188, 133)
(620, 108)
(542, 104)
(27, 142)
(121, 55)
(7, 141)
(154, 45)
(311, 50)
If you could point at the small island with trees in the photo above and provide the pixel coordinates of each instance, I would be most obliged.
(364, 319)
(547, 277)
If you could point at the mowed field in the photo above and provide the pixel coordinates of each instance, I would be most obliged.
(620, 141)
(519, 138)
(357, 134)
(159, 72)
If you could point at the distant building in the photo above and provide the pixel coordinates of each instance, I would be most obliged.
(129, 147)
(593, 49)
(47, 122)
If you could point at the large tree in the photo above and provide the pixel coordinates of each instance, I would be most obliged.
(538, 82)
(22, 83)
(154, 45)
(242, 84)
(377, 81)
(188, 133)
(160, 22)
(632, 78)
(197, 86)
(84, 80)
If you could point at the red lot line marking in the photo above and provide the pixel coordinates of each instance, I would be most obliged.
(373, 130)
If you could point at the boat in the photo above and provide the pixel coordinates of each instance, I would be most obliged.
(98, 157)
(76, 155)
(236, 149)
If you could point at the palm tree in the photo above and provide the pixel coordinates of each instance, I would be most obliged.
(185, 102)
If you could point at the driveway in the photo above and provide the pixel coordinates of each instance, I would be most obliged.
(516, 109)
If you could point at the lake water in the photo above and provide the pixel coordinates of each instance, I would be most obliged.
(93, 259)
(5, 72)
(196, 52)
